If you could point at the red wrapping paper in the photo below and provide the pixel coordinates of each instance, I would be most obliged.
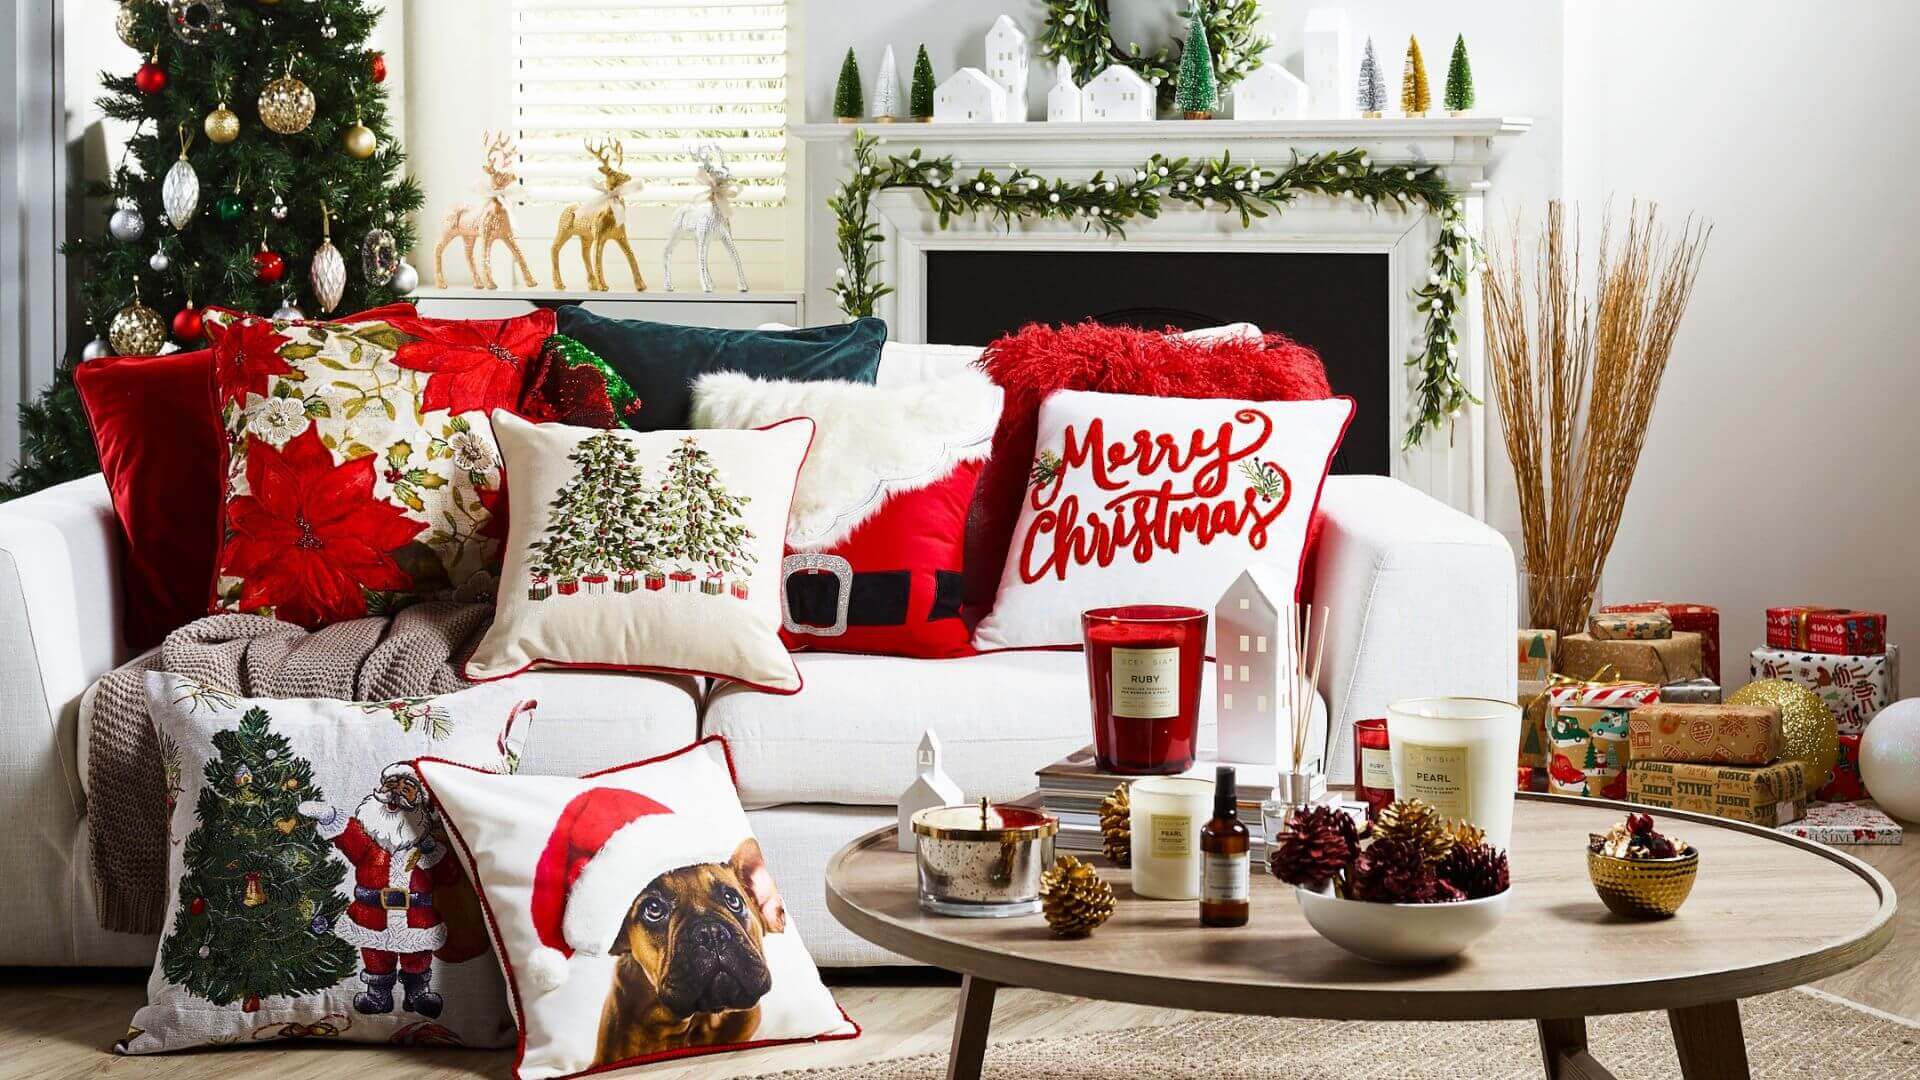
(1839, 631)
(1702, 619)
(1846, 785)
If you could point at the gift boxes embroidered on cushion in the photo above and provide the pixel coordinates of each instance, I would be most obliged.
(1839, 631)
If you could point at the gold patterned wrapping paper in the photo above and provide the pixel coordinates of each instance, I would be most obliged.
(1765, 795)
(1659, 662)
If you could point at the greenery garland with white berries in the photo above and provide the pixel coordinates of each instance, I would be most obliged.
(1081, 33)
(1107, 203)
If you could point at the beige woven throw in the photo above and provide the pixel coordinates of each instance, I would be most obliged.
(414, 653)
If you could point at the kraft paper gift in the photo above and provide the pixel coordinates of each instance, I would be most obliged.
(1856, 688)
(1712, 734)
(1589, 747)
(1765, 795)
(1630, 626)
(1536, 655)
(1659, 662)
(1533, 724)
(1702, 619)
(1843, 631)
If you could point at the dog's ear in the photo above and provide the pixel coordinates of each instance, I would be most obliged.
(620, 946)
(751, 867)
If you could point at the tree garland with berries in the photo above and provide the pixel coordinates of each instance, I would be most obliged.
(1107, 202)
(1081, 33)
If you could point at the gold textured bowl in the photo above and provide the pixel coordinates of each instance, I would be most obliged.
(1643, 888)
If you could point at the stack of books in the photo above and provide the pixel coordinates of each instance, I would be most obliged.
(1071, 789)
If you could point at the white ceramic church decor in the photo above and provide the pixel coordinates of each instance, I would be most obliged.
(970, 97)
(1250, 683)
(1117, 95)
(1270, 92)
(1007, 61)
(931, 788)
(1063, 101)
(1328, 48)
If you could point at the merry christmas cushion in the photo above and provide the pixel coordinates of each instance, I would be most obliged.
(310, 889)
(875, 543)
(362, 474)
(645, 551)
(1136, 500)
(634, 912)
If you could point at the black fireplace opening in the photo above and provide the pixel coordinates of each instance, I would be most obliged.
(1336, 303)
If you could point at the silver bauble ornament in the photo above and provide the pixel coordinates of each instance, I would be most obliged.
(192, 20)
(405, 279)
(329, 270)
(180, 192)
(279, 210)
(137, 330)
(96, 349)
(286, 105)
(126, 224)
(379, 256)
(159, 262)
(286, 312)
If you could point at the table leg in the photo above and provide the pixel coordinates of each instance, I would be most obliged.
(1563, 1050)
(970, 1023)
(1710, 1042)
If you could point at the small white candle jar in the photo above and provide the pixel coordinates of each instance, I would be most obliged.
(1458, 755)
(1167, 815)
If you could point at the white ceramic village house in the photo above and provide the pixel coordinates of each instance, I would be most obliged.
(1118, 95)
(1270, 92)
(1063, 101)
(970, 97)
(1250, 650)
(1007, 65)
(1329, 64)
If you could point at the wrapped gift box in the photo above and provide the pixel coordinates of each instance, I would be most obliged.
(1713, 734)
(1589, 748)
(1659, 662)
(1630, 626)
(1536, 655)
(1854, 687)
(1700, 691)
(1841, 631)
(1533, 724)
(1765, 795)
(1846, 823)
(1846, 785)
(1702, 619)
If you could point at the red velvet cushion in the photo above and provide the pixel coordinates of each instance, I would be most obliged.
(1038, 360)
(160, 443)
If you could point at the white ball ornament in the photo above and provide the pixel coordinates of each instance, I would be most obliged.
(286, 312)
(158, 261)
(1890, 759)
(1163, 170)
(405, 279)
(979, 185)
(96, 349)
(126, 224)
(1054, 198)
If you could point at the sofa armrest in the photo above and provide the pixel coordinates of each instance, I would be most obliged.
(1423, 600)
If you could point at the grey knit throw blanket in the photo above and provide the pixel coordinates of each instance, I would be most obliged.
(414, 653)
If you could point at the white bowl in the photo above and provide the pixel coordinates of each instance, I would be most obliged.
(1404, 934)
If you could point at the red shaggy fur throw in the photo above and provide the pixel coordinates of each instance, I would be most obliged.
(1038, 360)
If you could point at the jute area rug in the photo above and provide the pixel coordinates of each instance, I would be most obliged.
(1795, 1035)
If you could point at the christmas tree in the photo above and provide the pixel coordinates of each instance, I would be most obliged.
(1372, 98)
(1459, 95)
(261, 891)
(699, 517)
(847, 104)
(1195, 97)
(1415, 98)
(278, 112)
(886, 89)
(920, 103)
(601, 521)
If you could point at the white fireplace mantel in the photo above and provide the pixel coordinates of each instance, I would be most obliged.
(1450, 465)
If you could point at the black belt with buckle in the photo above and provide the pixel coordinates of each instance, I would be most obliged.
(822, 595)
(391, 899)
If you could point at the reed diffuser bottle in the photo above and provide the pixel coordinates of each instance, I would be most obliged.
(1224, 843)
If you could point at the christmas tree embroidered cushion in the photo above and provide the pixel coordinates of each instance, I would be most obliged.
(877, 535)
(1157, 501)
(634, 912)
(362, 475)
(310, 887)
(645, 551)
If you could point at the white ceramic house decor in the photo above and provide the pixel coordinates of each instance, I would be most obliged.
(1007, 61)
(1250, 650)
(1328, 48)
(1270, 92)
(1117, 95)
(1063, 101)
(931, 788)
(970, 97)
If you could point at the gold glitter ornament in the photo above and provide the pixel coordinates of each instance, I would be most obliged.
(1808, 731)
(1074, 899)
(1116, 827)
(222, 125)
(286, 104)
(136, 330)
(359, 141)
(127, 25)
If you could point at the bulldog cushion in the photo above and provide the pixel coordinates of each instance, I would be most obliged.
(634, 913)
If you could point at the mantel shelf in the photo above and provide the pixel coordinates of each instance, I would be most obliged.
(1183, 131)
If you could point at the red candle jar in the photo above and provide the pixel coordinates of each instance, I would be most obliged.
(1143, 671)
(1372, 765)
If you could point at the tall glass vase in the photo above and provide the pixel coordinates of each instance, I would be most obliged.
(1556, 601)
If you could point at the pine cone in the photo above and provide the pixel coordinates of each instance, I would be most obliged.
(1116, 827)
(1478, 870)
(1418, 823)
(1466, 832)
(1395, 871)
(1073, 898)
(1316, 848)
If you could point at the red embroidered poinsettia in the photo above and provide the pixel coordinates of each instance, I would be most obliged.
(312, 534)
(494, 502)
(246, 355)
(476, 364)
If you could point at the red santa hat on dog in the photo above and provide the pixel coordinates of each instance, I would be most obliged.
(607, 845)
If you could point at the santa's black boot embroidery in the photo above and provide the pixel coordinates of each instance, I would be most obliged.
(377, 997)
(418, 998)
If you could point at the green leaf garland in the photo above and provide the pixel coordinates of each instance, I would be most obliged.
(1081, 32)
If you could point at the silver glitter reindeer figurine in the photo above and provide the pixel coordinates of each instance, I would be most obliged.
(710, 214)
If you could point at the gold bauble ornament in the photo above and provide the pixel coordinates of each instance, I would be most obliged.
(222, 125)
(359, 141)
(127, 25)
(1807, 728)
(137, 330)
(286, 104)
(1073, 898)
(1116, 827)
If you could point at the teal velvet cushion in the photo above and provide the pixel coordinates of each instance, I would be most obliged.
(661, 361)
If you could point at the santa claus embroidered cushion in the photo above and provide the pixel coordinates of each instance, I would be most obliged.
(1146, 500)
(362, 473)
(875, 541)
(654, 551)
(311, 890)
(634, 912)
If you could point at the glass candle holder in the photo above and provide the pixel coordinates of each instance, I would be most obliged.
(1372, 765)
(1165, 817)
(1457, 755)
(1143, 674)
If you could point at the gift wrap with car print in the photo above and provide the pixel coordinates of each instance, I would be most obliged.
(1587, 735)
(1856, 688)
(311, 891)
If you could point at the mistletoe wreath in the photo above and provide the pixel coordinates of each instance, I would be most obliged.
(1081, 33)
(1106, 203)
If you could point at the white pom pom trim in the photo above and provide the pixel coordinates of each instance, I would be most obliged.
(547, 969)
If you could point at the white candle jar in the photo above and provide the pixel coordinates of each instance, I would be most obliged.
(1167, 815)
(1458, 755)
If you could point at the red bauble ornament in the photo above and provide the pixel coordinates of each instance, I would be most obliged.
(187, 324)
(268, 267)
(252, 1004)
(151, 78)
(198, 906)
(379, 66)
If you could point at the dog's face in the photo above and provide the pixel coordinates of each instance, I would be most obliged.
(697, 932)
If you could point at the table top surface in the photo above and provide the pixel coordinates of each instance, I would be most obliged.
(1767, 912)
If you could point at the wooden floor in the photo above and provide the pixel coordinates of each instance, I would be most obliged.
(58, 1024)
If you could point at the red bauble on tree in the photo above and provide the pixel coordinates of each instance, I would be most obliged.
(198, 906)
(378, 65)
(268, 267)
(187, 324)
(151, 78)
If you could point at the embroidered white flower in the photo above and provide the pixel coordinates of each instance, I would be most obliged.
(277, 420)
(470, 452)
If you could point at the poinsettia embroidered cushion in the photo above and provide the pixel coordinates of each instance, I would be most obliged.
(875, 541)
(1157, 501)
(160, 441)
(634, 912)
(645, 551)
(362, 474)
(311, 890)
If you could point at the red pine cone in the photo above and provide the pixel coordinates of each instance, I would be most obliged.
(1477, 870)
(1395, 871)
(1317, 847)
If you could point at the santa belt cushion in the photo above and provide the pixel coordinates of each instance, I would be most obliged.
(825, 596)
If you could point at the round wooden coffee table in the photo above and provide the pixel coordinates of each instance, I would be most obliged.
(1767, 913)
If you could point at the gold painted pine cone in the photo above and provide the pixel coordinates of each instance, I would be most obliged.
(1418, 823)
(1073, 898)
(1116, 827)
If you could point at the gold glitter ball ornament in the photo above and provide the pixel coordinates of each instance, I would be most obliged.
(127, 25)
(137, 330)
(1116, 827)
(1807, 728)
(1073, 898)
(286, 105)
(222, 125)
(359, 141)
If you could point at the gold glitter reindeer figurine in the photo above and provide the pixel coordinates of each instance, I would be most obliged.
(599, 220)
(490, 221)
